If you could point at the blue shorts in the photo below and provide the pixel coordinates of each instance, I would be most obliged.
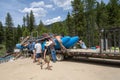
(38, 55)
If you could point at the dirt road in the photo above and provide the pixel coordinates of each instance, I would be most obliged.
(24, 69)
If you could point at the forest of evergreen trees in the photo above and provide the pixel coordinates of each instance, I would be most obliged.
(87, 18)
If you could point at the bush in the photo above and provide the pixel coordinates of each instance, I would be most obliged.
(2, 49)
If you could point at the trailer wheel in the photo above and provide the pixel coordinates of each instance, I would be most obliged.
(59, 57)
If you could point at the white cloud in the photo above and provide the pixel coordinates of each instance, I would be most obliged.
(38, 12)
(40, 4)
(38, 8)
(49, 6)
(50, 21)
(37, 4)
(65, 4)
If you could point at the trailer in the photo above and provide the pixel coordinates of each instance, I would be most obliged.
(61, 55)
(109, 47)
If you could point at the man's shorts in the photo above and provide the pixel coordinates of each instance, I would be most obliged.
(47, 59)
(38, 55)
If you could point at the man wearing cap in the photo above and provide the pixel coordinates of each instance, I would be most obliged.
(47, 52)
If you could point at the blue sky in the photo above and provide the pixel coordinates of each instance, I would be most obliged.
(49, 11)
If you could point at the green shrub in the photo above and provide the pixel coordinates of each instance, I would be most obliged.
(2, 50)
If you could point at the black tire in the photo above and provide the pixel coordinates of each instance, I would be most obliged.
(60, 57)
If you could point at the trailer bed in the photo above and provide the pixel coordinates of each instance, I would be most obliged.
(94, 51)
(108, 54)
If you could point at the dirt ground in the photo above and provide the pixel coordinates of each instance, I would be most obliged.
(25, 69)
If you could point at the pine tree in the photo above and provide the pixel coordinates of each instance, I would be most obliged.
(19, 33)
(64, 29)
(90, 6)
(113, 13)
(41, 28)
(32, 21)
(102, 15)
(26, 32)
(15, 35)
(24, 21)
(59, 28)
(27, 21)
(101, 19)
(78, 17)
(55, 28)
(1, 33)
(69, 24)
(9, 33)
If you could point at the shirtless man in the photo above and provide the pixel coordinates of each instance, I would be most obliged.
(60, 42)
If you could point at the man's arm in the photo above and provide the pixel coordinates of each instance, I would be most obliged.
(35, 48)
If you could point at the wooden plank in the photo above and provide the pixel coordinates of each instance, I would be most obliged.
(93, 51)
(84, 50)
